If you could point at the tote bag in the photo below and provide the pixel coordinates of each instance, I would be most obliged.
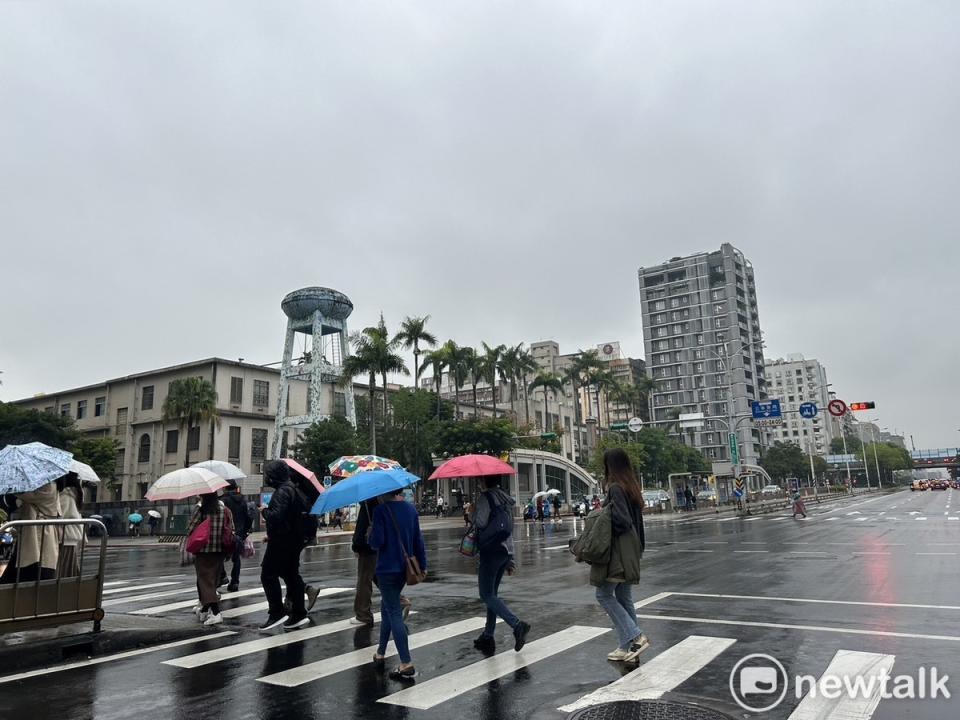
(198, 539)
(415, 575)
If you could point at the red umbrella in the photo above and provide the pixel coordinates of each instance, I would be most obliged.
(472, 466)
(303, 472)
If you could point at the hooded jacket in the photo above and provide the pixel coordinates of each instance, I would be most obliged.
(481, 513)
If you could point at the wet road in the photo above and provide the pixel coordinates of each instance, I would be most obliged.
(859, 586)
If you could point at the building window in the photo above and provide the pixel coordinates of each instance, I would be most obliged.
(121, 460)
(65, 410)
(143, 453)
(81, 409)
(193, 438)
(661, 332)
(173, 440)
(678, 342)
(339, 404)
(233, 448)
(146, 398)
(699, 339)
(121, 417)
(99, 406)
(236, 390)
(660, 305)
(261, 393)
(258, 445)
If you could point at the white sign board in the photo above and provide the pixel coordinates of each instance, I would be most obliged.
(768, 422)
(635, 424)
(691, 420)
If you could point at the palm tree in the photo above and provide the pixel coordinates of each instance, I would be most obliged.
(509, 360)
(457, 363)
(546, 381)
(645, 385)
(491, 367)
(412, 333)
(436, 360)
(525, 366)
(363, 360)
(607, 384)
(475, 366)
(385, 357)
(584, 367)
(189, 402)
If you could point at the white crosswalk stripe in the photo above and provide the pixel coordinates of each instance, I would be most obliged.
(331, 666)
(136, 588)
(429, 694)
(867, 668)
(660, 675)
(156, 610)
(149, 596)
(261, 606)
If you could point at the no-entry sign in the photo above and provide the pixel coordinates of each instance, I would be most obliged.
(837, 408)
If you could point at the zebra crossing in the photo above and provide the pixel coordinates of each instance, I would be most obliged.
(683, 660)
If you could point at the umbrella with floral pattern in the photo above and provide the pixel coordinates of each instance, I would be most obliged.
(350, 465)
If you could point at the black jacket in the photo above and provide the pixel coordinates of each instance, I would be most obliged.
(360, 532)
(241, 514)
(624, 513)
(284, 514)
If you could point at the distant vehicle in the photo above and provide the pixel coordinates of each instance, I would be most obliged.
(707, 495)
(655, 498)
(771, 491)
(918, 485)
(939, 485)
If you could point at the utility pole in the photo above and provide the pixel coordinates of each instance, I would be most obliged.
(863, 449)
(876, 461)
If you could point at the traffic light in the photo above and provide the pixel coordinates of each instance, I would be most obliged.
(863, 406)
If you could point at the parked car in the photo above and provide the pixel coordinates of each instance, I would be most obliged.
(771, 491)
(707, 496)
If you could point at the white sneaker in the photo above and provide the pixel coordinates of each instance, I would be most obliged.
(214, 619)
(637, 647)
(357, 623)
(619, 655)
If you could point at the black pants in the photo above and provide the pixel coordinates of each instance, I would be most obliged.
(282, 561)
(235, 570)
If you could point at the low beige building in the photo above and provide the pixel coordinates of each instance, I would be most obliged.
(130, 409)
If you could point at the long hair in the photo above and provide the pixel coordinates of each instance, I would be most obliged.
(618, 469)
(209, 504)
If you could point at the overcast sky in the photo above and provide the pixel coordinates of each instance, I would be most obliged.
(168, 171)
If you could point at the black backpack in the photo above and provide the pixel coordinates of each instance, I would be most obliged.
(499, 526)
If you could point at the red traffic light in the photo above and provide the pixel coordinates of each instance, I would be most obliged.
(863, 406)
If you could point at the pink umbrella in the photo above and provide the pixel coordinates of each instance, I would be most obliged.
(472, 466)
(301, 470)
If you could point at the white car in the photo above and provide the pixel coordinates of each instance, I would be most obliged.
(771, 491)
(707, 495)
(655, 498)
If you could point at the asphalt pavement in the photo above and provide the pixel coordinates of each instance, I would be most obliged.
(859, 588)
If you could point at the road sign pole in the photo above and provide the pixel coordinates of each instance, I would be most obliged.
(846, 457)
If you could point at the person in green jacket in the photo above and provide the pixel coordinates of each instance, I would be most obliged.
(614, 581)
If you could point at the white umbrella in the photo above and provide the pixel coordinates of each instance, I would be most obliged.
(84, 472)
(154, 514)
(26, 467)
(227, 471)
(553, 491)
(184, 483)
(540, 494)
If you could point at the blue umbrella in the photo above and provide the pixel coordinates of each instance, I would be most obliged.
(363, 486)
(27, 467)
(135, 517)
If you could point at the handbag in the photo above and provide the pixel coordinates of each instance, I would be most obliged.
(248, 550)
(199, 538)
(468, 544)
(415, 575)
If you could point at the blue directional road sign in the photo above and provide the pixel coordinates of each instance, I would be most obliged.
(808, 410)
(768, 409)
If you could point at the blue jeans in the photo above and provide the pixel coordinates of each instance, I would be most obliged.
(489, 574)
(391, 615)
(617, 600)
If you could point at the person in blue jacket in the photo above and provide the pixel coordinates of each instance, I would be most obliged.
(395, 533)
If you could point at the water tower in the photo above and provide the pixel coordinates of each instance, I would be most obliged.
(317, 320)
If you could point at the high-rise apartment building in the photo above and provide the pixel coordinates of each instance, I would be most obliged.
(703, 347)
(796, 380)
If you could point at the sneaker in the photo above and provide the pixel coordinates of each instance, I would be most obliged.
(408, 673)
(485, 643)
(233, 588)
(520, 633)
(296, 621)
(214, 619)
(312, 595)
(637, 647)
(272, 622)
(356, 622)
(619, 655)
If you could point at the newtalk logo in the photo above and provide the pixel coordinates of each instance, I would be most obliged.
(760, 683)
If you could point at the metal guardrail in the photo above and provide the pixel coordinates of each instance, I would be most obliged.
(67, 598)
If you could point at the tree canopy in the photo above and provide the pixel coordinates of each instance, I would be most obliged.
(323, 442)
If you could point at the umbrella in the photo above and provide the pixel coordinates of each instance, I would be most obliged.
(305, 474)
(96, 517)
(553, 491)
(184, 483)
(84, 472)
(154, 514)
(363, 486)
(228, 471)
(26, 467)
(472, 466)
(350, 465)
(135, 517)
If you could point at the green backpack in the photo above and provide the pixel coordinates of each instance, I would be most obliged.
(594, 544)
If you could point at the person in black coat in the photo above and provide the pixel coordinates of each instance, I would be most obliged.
(241, 526)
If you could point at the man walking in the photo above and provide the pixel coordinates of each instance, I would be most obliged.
(241, 528)
(494, 508)
(283, 517)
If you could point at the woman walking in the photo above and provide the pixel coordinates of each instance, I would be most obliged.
(209, 559)
(395, 536)
(614, 581)
(71, 500)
